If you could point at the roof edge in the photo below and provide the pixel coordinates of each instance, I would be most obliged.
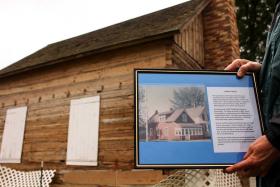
(91, 52)
(199, 9)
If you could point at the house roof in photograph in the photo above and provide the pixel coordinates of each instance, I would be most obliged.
(160, 24)
(176, 113)
(194, 113)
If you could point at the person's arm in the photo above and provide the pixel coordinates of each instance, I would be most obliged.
(273, 132)
(258, 159)
(263, 152)
(273, 129)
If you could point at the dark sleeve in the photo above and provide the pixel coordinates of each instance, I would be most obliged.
(273, 128)
(273, 132)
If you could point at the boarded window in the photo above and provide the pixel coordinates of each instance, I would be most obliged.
(11, 147)
(82, 148)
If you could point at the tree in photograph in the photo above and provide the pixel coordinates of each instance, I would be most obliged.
(188, 97)
(142, 118)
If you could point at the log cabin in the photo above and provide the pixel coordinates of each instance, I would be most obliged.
(71, 103)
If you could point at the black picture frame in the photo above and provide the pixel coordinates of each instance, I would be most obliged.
(175, 133)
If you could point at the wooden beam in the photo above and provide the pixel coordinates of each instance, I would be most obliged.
(183, 59)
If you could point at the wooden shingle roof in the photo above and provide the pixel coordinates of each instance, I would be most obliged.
(160, 24)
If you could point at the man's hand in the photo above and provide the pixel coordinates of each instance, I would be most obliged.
(243, 66)
(258, 160)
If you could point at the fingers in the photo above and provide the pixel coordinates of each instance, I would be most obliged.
(243, 70)
(243, 66)
(245, 173)
(236, 64)
(253, 172)
(243, 165)
(248, 153)
(248, 173)
(257, 161)
(246, 168)
(250, 66)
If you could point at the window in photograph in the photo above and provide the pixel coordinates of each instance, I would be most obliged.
(185, 117)
(178, 132)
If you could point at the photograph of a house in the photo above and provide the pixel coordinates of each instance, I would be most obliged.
(179, 124)
(173, 113)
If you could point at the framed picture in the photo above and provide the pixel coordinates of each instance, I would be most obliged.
(194, 119)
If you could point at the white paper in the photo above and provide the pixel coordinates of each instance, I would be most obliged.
(234, 118)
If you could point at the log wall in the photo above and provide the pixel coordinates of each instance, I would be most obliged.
(47, 93)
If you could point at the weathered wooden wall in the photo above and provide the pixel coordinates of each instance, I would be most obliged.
(47, 93)
(190, 39)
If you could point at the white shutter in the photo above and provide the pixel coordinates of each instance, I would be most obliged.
(11, 147)
(82, 148)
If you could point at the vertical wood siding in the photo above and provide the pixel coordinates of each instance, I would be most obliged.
(190, 39)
